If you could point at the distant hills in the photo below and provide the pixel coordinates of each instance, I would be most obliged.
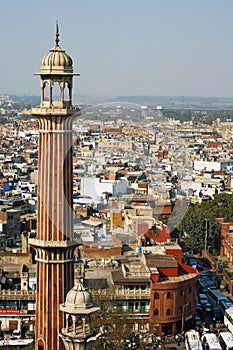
(168, 102)
(179, 101)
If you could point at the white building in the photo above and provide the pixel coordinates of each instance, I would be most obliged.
(206, 165)
(97, 188)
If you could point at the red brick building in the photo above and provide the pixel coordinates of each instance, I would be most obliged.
(153, 290)
(225, 232)
(225, 237)
(158, 233)
(173, 293)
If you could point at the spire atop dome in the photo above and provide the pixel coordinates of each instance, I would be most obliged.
(57, 34)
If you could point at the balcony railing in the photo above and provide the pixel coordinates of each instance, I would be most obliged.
(7, 294)
(120, 293)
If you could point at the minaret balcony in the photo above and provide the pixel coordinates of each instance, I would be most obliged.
(43, 110)
(51, 244)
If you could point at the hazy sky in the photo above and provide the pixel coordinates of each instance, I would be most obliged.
(122, 47)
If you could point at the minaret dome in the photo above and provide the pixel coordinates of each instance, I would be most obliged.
(56, 69)
(56, 61)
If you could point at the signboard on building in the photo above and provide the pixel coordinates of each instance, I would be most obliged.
(9, 312)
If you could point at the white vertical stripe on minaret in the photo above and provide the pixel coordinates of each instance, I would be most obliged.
(46, 185)
(69, 141)
(48, 292)
(40, 174)
(61, 194)
(58, 293)
(52, 299)
(65, 192)
(59, 180)
(54, 187)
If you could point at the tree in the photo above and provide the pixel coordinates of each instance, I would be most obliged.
(113, 319)
(192, 227)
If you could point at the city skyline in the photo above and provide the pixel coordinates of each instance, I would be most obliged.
(123, 47)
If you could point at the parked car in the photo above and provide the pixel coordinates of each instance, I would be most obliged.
(205, 283)
(217, 313)
(29, 335)
(16, 334)
(198, 305)
(208, 307)
(203, 299)
(198, 320)
(204, 273)
(206, 198)
(6, 333)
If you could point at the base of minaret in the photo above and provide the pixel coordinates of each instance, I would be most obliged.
(55, 264)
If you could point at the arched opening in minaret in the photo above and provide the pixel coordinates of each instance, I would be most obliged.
(56, 91)
(67, 92)
(46, 91)
(70, 323)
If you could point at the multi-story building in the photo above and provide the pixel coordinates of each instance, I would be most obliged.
(152, 291)
(9, 223)
(17, 292)
(97, 188)
(225, 238)
(173, 293)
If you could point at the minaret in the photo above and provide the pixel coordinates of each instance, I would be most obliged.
(54, 241)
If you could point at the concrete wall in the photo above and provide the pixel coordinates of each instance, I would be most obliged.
(15, 258)
(96, 253)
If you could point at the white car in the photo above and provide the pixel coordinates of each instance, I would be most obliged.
(16, 334)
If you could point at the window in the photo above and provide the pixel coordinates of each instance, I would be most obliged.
(130, 306)
(190, 290)
(46, 91)
(119, 307)
(181, 292)
(56, 91)
(70, 323)
(156, 295)
(168, 312)
(142, 306)
(66, 92)
(169, 295)
(156, 312)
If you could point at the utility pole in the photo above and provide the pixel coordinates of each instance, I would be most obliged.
(183, 317)
(205, 241)
(206, 234)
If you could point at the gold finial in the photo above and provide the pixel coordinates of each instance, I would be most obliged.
(57, 34)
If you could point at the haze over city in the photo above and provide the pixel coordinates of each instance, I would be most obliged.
(116, 193)
(121, 47)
